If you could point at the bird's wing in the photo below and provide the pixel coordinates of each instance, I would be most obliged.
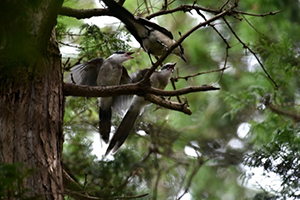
(125, 78)
(105, 119)
(134, 24)
(123, 130)
(85, 73)
(154, 26)
(122, 102)
(138, 75)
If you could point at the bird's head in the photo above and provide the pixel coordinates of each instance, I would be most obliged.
(121, 56)
(169, 66)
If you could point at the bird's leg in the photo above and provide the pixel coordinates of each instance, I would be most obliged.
(156, 57)
(72, 78)
(150, 58)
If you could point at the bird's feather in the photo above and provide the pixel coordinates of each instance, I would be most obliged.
(123, 131)
(104, 122)
(134, 24)
(155, 26)
(85, 73)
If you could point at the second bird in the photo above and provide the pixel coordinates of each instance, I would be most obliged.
(159, 79)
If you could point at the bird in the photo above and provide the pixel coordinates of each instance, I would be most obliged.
(103, 72)
(154, 39)
(159, 79)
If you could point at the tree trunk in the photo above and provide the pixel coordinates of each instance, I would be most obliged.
(31, 97)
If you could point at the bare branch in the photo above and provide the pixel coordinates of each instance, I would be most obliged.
(200, 73)
(173, 80)
(136, 88)
(182, 107)
(257, 15)
(252, 26)
(277, 110)
(268, 103)
(182, 7)
(84, 13)
(213, 26)
(253, 53)
(147, 91)
(188, 8)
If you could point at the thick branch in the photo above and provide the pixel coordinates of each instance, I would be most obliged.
(147, 91)
(84, 13)
(182, 107)
(277, 110)
(138, 89)
(268, 103)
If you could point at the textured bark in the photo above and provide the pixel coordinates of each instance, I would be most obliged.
(31, 98)
(31, 128)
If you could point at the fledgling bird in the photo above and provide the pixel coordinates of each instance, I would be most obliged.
(159, 79)
(103, 72)
(153, 38)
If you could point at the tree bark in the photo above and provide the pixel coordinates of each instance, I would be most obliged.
(31, 97)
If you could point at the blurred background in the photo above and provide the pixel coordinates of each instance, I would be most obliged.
(241, 142)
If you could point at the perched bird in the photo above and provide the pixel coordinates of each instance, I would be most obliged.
(153, 38)
(102, 72)
(159, 79)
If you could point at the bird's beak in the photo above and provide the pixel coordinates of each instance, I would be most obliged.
(183, 58)
(172, 66)
(128, 55)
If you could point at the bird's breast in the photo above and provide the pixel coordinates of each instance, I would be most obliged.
(109, 75)
(157, 43)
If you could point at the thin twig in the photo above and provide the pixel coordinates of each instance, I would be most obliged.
(187, 8)
(251, 25)
(225, 64)
(176, 78)
(213, 26)
(174, 87)
(252, 52)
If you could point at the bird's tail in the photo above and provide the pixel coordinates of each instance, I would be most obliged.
(104, 123)
(123, 130)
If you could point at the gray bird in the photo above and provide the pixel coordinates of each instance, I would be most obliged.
(159, 79)
(153, 38)
(103, 72)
